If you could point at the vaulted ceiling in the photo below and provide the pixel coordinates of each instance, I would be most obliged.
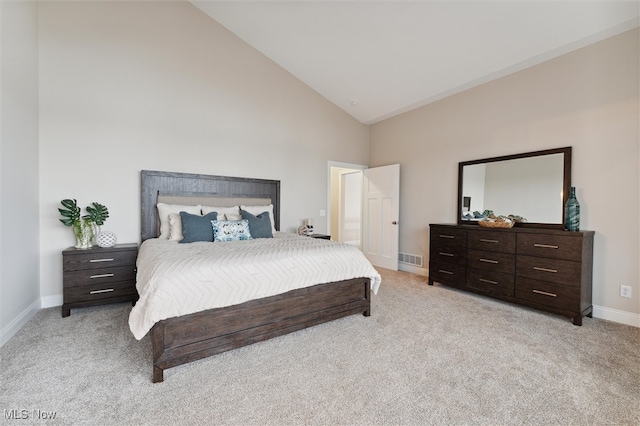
(376, 59)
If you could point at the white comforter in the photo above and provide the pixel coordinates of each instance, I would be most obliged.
(178, 279)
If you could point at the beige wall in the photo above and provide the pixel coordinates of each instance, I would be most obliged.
(126, 86)
(19, 278)
(588, 99)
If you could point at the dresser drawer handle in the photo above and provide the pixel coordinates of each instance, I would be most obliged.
(488, 281)
(545, 246)
(106, 290)
(102, 276)
(447, 236)
(489, 261)
(441, 253)
(545, 293)
(445, 272)
(101, 260)
(488, 241)
(545, 269)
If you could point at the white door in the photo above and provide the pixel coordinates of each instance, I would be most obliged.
(380, 214)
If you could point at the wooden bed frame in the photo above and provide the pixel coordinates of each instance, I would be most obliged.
(191, 337)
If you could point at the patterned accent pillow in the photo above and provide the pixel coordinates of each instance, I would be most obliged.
(230, 230)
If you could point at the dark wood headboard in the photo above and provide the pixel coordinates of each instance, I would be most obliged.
(154, 183)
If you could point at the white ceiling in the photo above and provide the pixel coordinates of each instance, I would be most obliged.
(393, 56)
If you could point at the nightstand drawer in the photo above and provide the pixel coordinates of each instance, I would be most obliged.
(98, 260)
(558, 271)
(97, 291)
(99, 276)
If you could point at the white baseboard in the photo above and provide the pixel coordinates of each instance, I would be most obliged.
(51, 301)
(609, 314)
(12, 328)
(413, 269)
(615, 315)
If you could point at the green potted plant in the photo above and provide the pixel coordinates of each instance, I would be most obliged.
(84, 227)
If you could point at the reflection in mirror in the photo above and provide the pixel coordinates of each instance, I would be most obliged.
(529, 185)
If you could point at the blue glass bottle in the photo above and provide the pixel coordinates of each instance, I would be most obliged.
(572, 212)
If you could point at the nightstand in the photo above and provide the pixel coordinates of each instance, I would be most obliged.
(321, 236)
(98, 276)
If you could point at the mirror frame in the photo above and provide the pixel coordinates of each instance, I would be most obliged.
(566, 184)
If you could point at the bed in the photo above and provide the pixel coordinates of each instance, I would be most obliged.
(182, 338)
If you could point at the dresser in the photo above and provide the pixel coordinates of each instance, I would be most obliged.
(546, 269)
(98, 276)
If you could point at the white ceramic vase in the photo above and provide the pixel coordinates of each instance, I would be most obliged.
(106, 239)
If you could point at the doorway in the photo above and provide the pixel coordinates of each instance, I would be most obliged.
(364, 210)
(344, 220)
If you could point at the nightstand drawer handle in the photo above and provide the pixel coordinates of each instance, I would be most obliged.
(446, 236)
(545, 293)
(102, 276)
(106, 290)
(488, 241)
(545, 246)
(545, 269)
(488, 261)
(445, 272)
(488, 281)
(441, 253)
(101, 260)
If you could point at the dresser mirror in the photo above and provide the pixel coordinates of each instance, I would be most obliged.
(533, 185)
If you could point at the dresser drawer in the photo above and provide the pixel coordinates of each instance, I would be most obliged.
(504, 242)
(491, 261)
(563, 272)
(447, 254)
(98, 260)
(448, 237)
(558, 296)
(494, 283)
(97, 291)
(447, 274)
(553, 246)
(99, 276)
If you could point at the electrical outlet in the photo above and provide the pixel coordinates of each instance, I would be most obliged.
(625, 291)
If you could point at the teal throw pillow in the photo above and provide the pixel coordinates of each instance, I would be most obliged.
(260, 225)
(196, 227)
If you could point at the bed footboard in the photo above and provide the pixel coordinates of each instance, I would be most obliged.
(191, 337)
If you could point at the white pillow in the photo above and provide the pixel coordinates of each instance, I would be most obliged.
(230, 216)
(164, 210)
(222, 211)
(175, 227)
(256, 210)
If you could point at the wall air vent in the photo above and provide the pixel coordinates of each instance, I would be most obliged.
(411, 259)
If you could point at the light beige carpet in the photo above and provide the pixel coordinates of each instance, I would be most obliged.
(427, 355)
